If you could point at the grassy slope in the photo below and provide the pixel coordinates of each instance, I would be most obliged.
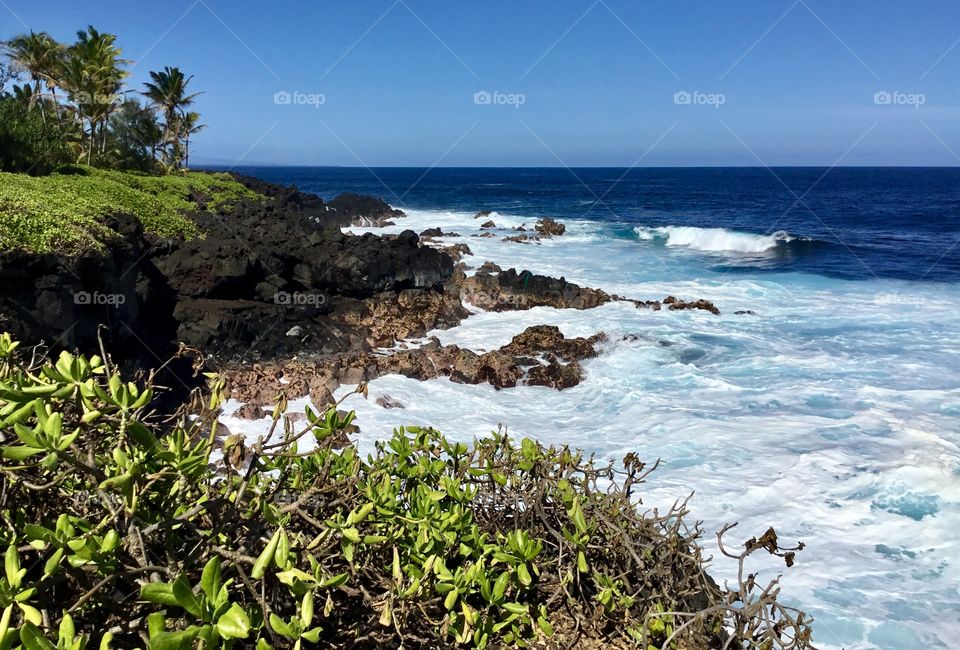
(65, 212)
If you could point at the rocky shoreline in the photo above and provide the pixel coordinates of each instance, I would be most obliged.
(277, 297)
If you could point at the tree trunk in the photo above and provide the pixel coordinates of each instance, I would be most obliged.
(37, 97)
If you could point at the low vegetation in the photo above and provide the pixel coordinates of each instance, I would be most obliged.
(66, 212)
(128, 530)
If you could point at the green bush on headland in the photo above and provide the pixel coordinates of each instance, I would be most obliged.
(129, 533)
(66, 212)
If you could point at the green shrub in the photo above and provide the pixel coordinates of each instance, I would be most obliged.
(27, 144)
(126, 533)
(66, 212)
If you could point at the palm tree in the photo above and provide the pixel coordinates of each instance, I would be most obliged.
(39, 54)
(168, 93)
(93, 76)
(189, 125)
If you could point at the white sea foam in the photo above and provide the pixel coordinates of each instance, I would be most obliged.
(718, 240)
(830, 415)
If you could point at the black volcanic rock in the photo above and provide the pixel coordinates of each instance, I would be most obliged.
(264, 268)
(363, 210)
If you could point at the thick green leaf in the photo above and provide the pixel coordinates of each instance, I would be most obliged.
(335, 581)
(500, 586)
(235, 624)
(524, 575)
(545, 626)
(11, 565)
(210, 579)
(31, 613)
(185, 596)
(263, 562)
(282, 555)
(33, 639)
(66, 631)
(182, 640)
(160, 593)
(281, 627)
(18, 454)
(306, 609)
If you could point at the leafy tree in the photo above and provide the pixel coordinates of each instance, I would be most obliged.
(136, 136)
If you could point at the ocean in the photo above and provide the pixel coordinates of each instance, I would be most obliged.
(831, 413)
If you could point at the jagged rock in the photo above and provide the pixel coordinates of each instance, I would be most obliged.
(484, 234)
(556, 375)
(488, 224)
(549, 227)
(540, 355)
(457, 251)
(745, 312)
(547, 339)
(432, 232)
(483, 214)
(489, 267)
(510, 290)
(364, 210)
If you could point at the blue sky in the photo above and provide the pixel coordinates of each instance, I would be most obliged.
(571, 82)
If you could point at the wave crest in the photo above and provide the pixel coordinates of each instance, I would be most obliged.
(719, 240)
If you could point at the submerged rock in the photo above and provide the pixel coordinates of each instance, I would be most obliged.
(388, 402)
(250, 412)
(522, 239)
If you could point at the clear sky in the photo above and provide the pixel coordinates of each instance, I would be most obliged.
(570, 82)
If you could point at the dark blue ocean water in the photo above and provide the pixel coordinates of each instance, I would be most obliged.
(855, 223)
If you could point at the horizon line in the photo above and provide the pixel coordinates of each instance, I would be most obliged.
(429, 167)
